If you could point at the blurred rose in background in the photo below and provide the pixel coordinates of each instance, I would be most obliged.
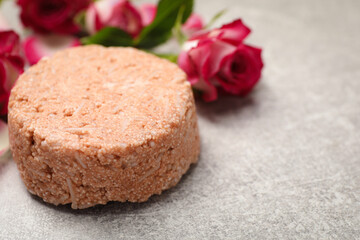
(116, 13)
(39, 46)
(56, 16)
(11, 66)
(193, 24)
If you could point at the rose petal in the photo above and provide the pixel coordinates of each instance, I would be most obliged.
(256, 53)
(233, 33)
(97, 14)
(241, 84)
(218, 52)
(3, 24)
(13, 66)
(38, 46)
(193, 24)
(193, 63)
(186, 63)
(4, 101)
(148, 13)
(115, 13)
(200, 57)
(17, 62)
(56, 16)
(125, 16)
(10, 70)
(3, 86)
(49, 18)
(200, 35)
(188, 67)
(209, 91)
(9, 42)
(4, 142)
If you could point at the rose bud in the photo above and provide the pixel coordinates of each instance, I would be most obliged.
(193, 24)
(114, 13)
(148, 13)
(218, 60)
(37, 46)
(56, 16)
(11, 66)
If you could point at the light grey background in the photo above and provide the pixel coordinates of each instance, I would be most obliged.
(283, 163)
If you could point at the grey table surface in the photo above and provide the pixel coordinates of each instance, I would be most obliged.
(282, 163)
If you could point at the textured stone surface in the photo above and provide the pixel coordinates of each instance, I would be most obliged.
(284, 163)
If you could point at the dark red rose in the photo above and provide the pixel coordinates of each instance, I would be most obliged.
(11, 66)
(220, 60)
(56, 16)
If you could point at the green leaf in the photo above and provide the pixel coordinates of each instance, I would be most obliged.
(171, 57)
(188, 9)
(159, 31)
(215, 18)
(109, 36)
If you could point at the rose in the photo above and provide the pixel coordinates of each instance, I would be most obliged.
(39, 46)
(220, 60)
(216, 64)
(148, 13)
(193, 24)
(11, 66)
(51, 16)
(115, 13)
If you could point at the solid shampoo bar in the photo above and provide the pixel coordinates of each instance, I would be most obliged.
(93, 124)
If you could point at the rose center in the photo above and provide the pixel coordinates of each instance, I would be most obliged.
(50, 7)
(238, 66)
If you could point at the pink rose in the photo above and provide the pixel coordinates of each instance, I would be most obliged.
(39, 46)
(56, 16)
(115, 13)
(11, 66)
(220, 60)
(193, 24)
(148, 13)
